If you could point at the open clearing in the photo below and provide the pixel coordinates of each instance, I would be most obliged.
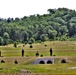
(61, 50)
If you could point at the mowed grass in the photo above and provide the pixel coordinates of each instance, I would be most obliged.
(61, 50)
(9, 67)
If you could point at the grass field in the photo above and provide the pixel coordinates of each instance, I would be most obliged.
(61, 50)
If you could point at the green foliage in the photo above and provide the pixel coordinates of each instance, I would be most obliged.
(52, 34)
(6, 38)
(6, 35)
(25, 36)
(58, 23)
(43, 37)
(1, 41)
(31, 41)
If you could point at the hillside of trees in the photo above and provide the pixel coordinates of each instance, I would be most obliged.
(57, 24)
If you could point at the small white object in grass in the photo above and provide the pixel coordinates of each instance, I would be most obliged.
(72, 67)
(75, 43)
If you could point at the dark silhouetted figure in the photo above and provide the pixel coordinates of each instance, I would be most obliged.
(41, 55)
(2, 61)
(50, 51)
(63, 61)
(45, 45)
(0, 53)
(16, 62)
(37, 54)
(22, 52)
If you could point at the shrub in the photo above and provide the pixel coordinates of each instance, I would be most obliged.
(15, 45)
(31, 46)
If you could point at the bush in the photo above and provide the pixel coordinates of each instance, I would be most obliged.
(63, 61)
(32, 40)
(15, 45)
(31, 46)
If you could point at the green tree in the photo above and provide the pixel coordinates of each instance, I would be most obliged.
(24, 36)
(17, 19)
(30, 33)
(6, 35)
(51, 11)
(31, 41)
(6, 38)
(1, 41)
(43, 37)
(52, 34)
(63, 30)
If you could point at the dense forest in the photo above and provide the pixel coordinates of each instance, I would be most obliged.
(57, 24)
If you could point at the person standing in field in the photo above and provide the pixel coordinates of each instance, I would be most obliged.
(22, 52)
(37, 54)
(50, 51)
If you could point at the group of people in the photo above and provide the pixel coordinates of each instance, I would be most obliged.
(37, 53)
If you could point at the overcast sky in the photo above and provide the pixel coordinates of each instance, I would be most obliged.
(20, 8)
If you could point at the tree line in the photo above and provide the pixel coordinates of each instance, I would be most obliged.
(58, 24)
